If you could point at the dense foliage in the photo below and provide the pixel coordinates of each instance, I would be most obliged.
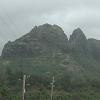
(38, 88)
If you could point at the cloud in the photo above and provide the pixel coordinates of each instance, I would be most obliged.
(17, 17)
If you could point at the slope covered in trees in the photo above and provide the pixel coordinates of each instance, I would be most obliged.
(45, 52)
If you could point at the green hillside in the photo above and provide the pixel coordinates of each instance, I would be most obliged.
(46, 52)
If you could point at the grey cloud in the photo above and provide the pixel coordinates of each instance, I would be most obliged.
(17, 17)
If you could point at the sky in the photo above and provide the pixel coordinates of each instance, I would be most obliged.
(18, 17)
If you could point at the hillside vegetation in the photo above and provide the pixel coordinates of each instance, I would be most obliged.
(45, 52)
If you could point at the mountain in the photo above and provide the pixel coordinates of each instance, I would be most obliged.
(41, 40)
(47, 47)
(45, 52)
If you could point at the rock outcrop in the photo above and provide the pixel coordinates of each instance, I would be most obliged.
(78, 41)
(41, 40)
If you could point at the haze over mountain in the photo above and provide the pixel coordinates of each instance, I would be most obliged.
(19, 16)
(48, 38)
(45, 52)
(50, 42)
(40, 40)
(62, 57)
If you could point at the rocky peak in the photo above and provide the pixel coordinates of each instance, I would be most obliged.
(77, 31)
(41, 39)
(77, 35)
(78, 40)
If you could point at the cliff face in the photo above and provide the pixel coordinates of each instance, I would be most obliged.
(41, 40)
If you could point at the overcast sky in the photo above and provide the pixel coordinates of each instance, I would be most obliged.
(17, 17)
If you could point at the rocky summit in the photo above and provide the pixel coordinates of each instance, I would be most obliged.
(41, 40)
(78, 40)
(45, 40)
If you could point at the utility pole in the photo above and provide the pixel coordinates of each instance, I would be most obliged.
(24, 82)
(52, 87)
